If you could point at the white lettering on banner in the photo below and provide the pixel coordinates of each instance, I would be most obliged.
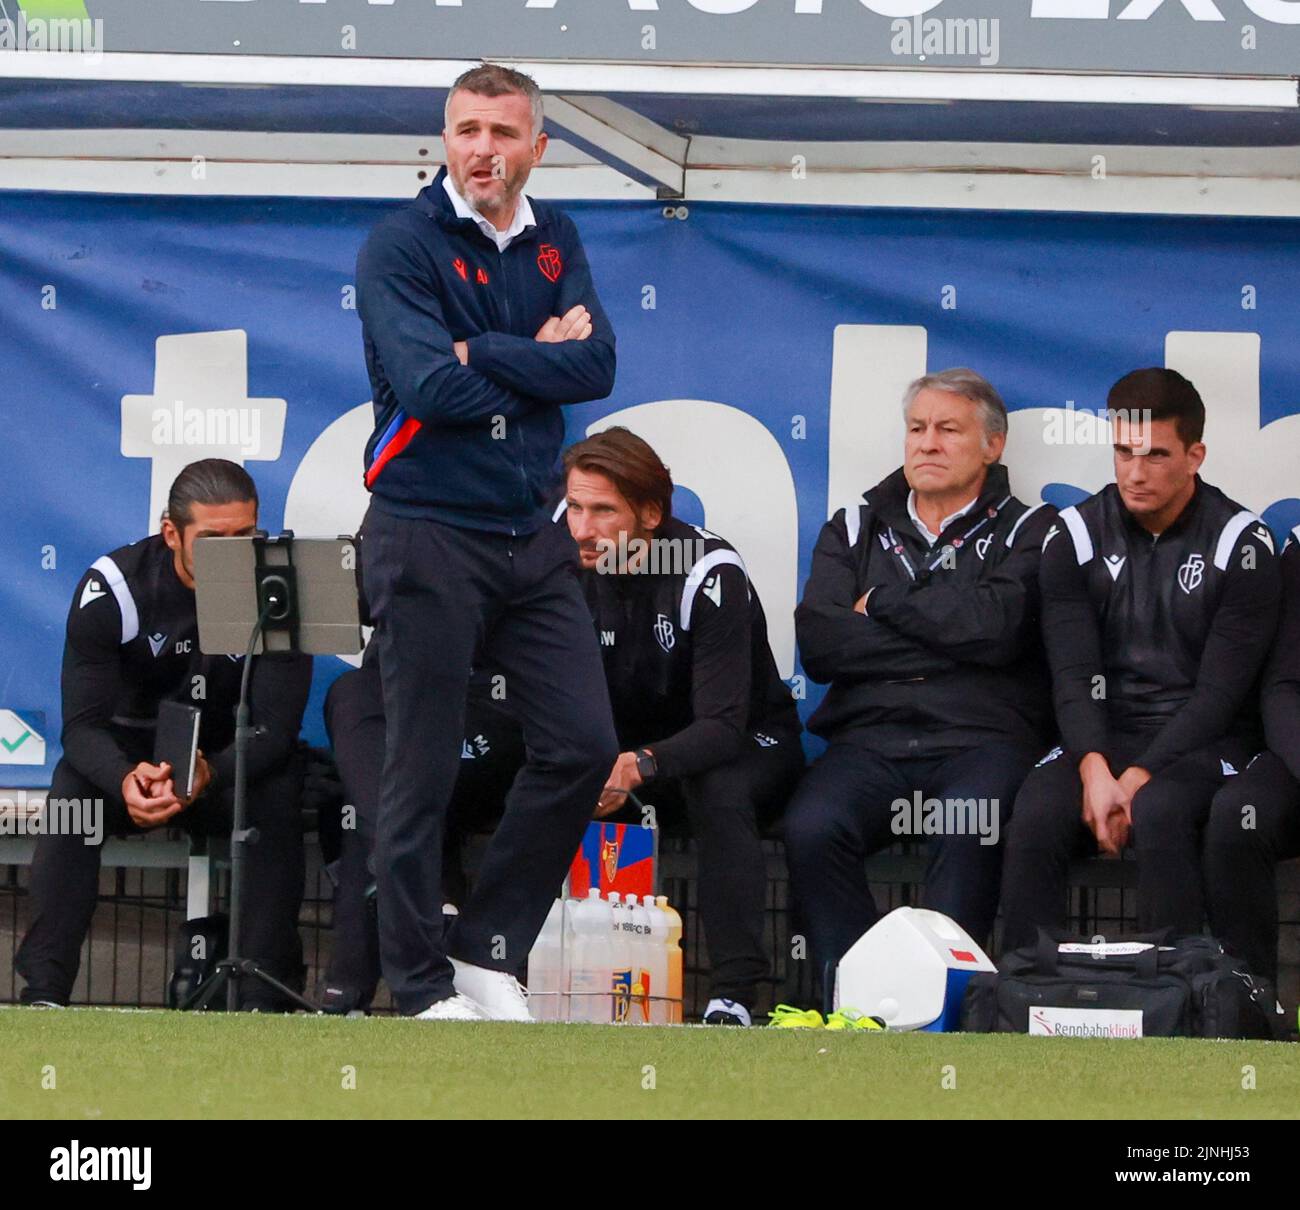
(209, 372)
(1078, 10)
(1140, 10)
(900, 8)
(1254, 464)
(731, 460)
(1085, 1022)
(1281, 12)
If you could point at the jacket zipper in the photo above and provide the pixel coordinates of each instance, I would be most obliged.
(505, 303)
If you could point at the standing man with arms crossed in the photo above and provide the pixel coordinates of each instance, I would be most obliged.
(479, 320)
(1160, 598)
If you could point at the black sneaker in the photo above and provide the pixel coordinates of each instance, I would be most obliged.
(342, 1001)
(726, 1012)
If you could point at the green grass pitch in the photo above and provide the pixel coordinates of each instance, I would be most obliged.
(107, 1064)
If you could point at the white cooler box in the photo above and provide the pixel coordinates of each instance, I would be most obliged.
(910, 969)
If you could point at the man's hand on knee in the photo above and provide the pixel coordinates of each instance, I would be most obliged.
(1105, 804)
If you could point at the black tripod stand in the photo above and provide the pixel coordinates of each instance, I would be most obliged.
(233, 969)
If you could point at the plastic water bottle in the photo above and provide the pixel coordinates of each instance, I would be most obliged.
(643, 981)
(591, 961)
(658, 961)
(674, 960)
(622, 938)
(546, 968)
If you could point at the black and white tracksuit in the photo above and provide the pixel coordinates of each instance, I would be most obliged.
(691, 677)
(1255, 817)
(939, 690)
(132, 642)
(1155, 645)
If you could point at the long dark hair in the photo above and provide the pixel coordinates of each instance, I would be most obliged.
(209, 481)
(627, 461)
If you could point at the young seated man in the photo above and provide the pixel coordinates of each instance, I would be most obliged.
(132, 643)
(1255, 817)
(1160, 599)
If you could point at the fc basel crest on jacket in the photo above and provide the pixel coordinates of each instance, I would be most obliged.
(549, 262)
(1191, 573)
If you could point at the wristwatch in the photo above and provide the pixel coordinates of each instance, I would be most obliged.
(646, 765)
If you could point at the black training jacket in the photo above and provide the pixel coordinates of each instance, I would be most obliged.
(948, 655)
(132, 642)
(1165, 634)
(686, 656)
(1281, 697)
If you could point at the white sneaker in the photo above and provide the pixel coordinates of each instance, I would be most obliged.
(497, 995)
(453, 1008)
(727, 1012)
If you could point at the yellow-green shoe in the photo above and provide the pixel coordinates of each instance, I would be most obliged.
(850, 1018)
(786, 1016)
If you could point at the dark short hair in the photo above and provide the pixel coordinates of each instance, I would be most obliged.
(629, 462)
(493, 80)
(209, 481)
(1166, 395)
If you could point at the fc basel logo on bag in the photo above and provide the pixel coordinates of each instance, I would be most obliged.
(548, 261)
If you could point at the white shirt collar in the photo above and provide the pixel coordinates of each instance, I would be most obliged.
(523, 216)
(921, 529)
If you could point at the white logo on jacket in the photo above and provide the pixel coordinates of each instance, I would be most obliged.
(1191, 573)
(664, 633)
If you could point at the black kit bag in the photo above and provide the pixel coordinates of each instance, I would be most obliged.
(1182, 987)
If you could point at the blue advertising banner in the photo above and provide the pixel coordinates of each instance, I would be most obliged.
(763, 351)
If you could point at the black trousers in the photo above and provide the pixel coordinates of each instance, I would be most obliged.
(492, 754)
(1254, 823)
(1169, 816)
(726, 809)
(441, 598)
(65, 882)
(849, 805)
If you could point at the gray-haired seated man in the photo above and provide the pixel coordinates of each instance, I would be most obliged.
(921, 614)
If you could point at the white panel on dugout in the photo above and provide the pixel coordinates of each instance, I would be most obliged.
(910, 968)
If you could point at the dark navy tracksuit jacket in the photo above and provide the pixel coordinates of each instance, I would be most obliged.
(427, 278)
